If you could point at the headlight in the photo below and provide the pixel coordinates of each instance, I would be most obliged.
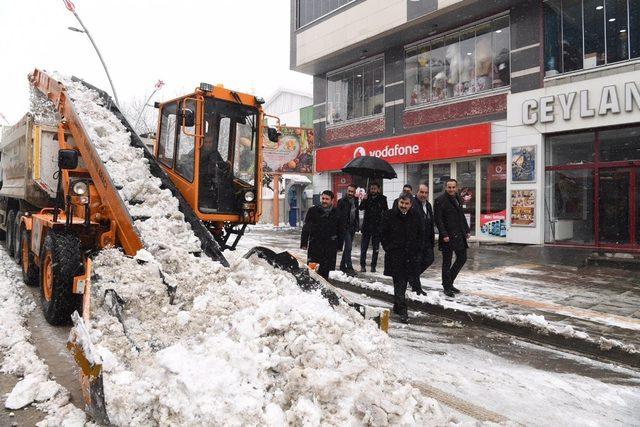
(249, 196)
(80, 188)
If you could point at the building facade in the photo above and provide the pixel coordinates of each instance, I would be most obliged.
(531, 105)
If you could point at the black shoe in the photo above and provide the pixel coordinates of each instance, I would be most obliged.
(449, 292)
(363, 270)
(420, 292)
(404, 319)
(350, 272)
(455, 290)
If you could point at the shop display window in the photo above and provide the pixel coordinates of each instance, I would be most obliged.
(493, 197)
(466, 177)
(356, 92)
(570, 149)
(569, 206)
(620, 144)
(463, 63)
(418, 173)
(582, 34)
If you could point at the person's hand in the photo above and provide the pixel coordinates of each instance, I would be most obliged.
(445, 239)
(468, 236)
(365, 196)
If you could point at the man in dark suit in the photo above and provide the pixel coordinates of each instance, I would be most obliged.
(407, 188)
(453, 234)
(321, 234)
(374, 205)
(422, 209)
(350, 220)
(401, 232)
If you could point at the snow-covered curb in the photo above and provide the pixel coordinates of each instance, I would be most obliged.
(21, 359)
(535, 321)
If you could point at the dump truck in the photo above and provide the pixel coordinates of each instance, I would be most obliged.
(59, 205)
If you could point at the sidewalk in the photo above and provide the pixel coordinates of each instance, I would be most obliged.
(548, 289)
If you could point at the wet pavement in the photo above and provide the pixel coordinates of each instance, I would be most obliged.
(552, 282)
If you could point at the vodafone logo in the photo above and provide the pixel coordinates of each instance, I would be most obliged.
(359, 152)
(396, 150)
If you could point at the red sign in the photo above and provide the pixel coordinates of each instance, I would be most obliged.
(443, 144)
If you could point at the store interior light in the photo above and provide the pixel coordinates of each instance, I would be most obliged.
(498, 31)
(358, 75)
(623, 30)
(599, 7)
(612, 19)
(469, 53)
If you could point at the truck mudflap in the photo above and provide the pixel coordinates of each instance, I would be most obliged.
(208, 243)
(308, 280)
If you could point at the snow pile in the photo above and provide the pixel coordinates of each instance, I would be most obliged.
(21, 359)
(242, 345)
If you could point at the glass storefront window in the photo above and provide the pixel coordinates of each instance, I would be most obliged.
(356, 92)
(582, 34)
(417, 174)
(569, 206)
(441, 173)
(462, 63)
(570, 149)
(466, 176)
(493, 197)
(620, 144)
(310, 10)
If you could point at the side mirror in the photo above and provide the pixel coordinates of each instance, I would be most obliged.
(67, 159)
(273, 134)
(187, 118)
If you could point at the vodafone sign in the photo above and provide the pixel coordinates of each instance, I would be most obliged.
(444, 144)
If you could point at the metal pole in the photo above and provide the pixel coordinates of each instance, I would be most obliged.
(135, 127)
(113, 89)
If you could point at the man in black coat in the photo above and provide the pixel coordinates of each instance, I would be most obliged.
(401, 231)
(350, 222)
(453, 234)
(407, 188)
(422, 209)
(374, 205)
(321, 234)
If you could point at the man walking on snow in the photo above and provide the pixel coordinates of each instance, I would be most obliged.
(453, 235)
(321, 234)
(350, 219)
(374, 205)
(402, 238)
(422, 209)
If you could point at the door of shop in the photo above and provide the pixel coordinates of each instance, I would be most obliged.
(618, 208)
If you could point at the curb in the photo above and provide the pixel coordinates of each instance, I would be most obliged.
(571, 344)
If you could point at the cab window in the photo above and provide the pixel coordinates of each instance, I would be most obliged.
(167, 140)
(186, 154)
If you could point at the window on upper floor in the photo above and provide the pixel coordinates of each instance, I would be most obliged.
(356, 92)
(462, 63)
(310, 10)
(582, 34)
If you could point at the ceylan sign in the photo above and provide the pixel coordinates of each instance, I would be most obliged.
(609, 102)
(591, 103)
(443, 144)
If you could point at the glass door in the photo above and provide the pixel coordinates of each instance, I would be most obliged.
(614, 223)
(466, 176)
(441, 173)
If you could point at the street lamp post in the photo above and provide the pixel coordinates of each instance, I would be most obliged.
(71, 7)
(157, 87)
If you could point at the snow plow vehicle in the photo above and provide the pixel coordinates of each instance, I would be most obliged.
(66, 194)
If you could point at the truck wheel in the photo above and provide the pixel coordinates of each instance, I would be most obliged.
(17, 238)
(10, 240)
(29, 268)
(60, 261)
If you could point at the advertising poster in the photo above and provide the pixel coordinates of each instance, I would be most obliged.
(523, 204)
(494, 224)
(293, 153)
(523, 164)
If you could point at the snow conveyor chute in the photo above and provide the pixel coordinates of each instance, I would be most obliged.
(95, 209)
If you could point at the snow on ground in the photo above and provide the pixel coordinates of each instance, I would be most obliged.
(533, 320)
(20, 358)
(242, 345)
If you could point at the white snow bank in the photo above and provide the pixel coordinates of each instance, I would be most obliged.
(240, 346)
(20, 356)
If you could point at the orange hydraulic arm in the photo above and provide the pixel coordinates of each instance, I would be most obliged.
(122, 228)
